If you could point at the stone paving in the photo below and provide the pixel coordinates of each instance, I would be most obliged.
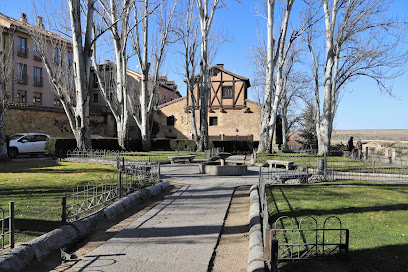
(179, 234)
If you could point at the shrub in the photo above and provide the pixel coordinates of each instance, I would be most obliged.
(236, 146)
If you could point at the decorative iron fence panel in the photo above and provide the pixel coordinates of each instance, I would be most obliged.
(90, 197)
(7, 227)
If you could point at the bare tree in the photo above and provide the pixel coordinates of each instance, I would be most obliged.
(273, 95)
(206, 15)
(142, 102)
(112, 78)
(359, 41)
(188, 35)
(70, 76)
(6, 64)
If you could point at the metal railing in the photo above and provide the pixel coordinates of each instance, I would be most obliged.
(338, 168)
(87, 198)
(110, 157)
(7, 227)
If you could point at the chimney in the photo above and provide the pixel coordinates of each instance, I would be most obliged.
(220, 65)
(40, 23)
(23, 18)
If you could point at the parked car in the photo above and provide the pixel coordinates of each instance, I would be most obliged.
(27, 143)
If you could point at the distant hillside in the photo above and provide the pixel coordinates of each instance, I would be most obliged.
(387, 135)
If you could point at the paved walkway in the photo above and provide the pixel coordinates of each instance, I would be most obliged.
(179, 234)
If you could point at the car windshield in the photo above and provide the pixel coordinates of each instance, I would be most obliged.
(15, 136)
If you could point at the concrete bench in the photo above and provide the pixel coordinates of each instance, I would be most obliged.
(287, 164)
(282, 178)
(175, 159)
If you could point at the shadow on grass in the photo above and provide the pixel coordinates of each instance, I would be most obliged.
(35, 225)
(46, 167)
(386, 258)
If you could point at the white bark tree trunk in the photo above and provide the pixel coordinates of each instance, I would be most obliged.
(82, 63)
(206, 19)
(142, 104)
(270, 112)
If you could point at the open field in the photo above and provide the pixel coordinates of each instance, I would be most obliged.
(374, 212)
(37, 187)
(380, 139)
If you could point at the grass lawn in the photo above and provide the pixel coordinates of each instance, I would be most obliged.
(37, 187)
(376, 214)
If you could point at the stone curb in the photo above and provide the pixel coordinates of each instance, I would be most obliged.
(256, 251)
(16, 259)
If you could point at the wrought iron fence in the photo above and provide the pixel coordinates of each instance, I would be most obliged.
(7, 227)
(87, 198)
(337, 168)
(111, 157)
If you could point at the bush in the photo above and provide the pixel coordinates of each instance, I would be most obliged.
(59, 146)
(236, 146)
(173, 144)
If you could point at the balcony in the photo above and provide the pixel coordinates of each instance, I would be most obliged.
(22, 52)
(38, 81)
(37, 57)
(23, 80)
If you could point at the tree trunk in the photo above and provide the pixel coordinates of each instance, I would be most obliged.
(3, 135)
(266, 137)
(81, 56)
(204, 90)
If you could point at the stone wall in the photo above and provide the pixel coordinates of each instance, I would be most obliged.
(230, 122)
(53, 121)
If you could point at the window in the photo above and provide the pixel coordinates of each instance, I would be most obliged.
(21, 47)
(57, 55)
(22, 73)
(157, 98)
(95, 81)
(95, 98)
(37, 76)
(69, 57)
(37, 52)
(37, 98)
(170, 120)
(164, 99)
(57, 101)
(21, 96)
(227, 92)
(213, 121)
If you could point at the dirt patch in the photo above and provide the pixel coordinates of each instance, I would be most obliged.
(104, 232)
(232, 251)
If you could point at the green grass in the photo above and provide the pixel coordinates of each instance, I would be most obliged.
(376, 214)
(37, 187)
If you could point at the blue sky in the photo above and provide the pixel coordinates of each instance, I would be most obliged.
(362, 106)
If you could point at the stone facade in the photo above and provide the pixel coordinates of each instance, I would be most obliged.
(231, 124)
(53, 121)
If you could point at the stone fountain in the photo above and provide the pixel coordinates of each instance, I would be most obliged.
(221, 167)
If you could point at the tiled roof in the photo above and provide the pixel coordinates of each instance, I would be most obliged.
(27, 26)
(171, 102)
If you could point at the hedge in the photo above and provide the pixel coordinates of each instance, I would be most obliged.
(60, 146)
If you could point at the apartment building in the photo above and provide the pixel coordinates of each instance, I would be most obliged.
(33, 106)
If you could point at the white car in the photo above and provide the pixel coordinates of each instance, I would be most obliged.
(27, 143)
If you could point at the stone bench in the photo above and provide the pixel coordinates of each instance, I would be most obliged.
(301, 176)
(287, 164)
(188, 158)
